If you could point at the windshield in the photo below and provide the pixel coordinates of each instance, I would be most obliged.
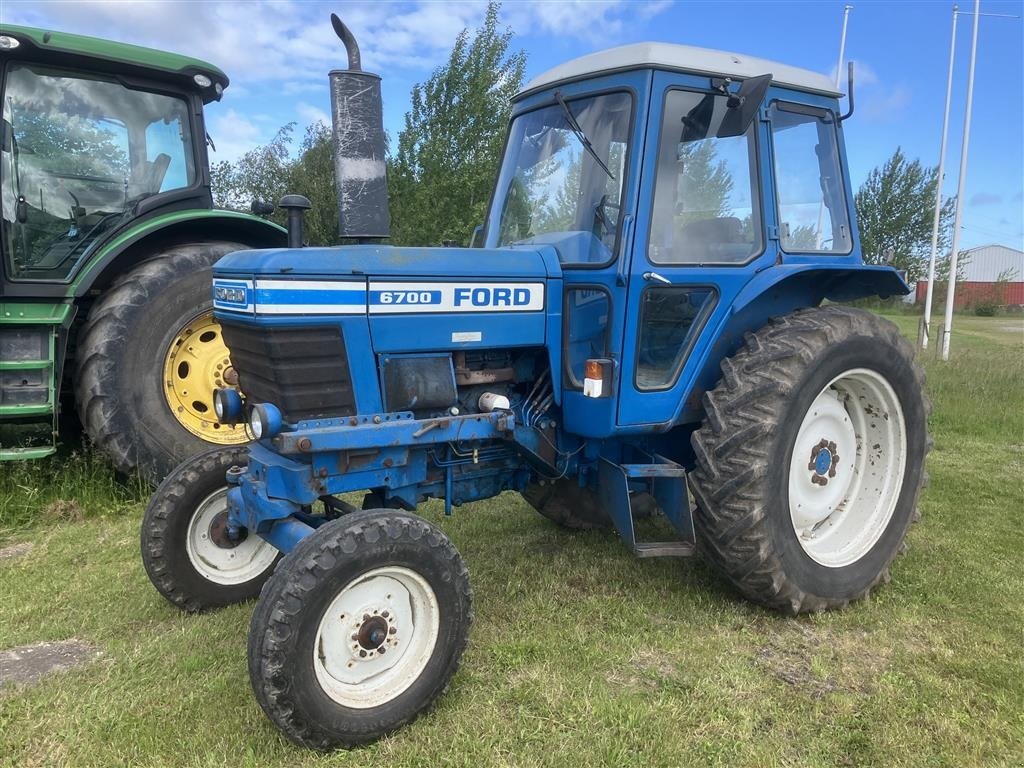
(78, 154)
(562, 177)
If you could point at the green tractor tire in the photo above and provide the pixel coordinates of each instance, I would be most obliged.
(148, 359)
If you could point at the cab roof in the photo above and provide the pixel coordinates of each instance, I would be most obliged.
(682, 58)
(79, 51)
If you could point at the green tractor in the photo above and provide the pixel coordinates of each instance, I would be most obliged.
(108, 234)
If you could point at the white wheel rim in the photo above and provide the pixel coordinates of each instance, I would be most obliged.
(376, 637)
(224, 565)
(846, 472)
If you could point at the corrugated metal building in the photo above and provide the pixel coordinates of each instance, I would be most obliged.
(985, 265)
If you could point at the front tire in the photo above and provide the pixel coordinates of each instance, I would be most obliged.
(811, 458)
(360, 629)
(148, 359)
(185, 549)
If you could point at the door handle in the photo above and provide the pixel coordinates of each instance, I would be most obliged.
(656, 277)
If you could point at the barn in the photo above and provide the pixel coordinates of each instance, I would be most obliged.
(993, 274)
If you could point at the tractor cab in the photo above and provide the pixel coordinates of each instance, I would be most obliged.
(87, 149)
(668, 179)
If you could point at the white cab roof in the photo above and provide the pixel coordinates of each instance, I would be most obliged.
(686, 58)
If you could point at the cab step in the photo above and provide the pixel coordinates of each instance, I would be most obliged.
(28, 390)
(664, 549)
(665, 481)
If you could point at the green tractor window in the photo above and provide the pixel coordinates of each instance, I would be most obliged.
(79, 153)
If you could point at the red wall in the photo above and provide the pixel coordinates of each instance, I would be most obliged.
(968, 294)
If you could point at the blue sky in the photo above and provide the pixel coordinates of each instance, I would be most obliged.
(278, 52)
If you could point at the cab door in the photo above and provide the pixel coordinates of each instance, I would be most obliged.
(699, 237)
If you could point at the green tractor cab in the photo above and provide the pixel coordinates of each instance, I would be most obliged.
(108, 234)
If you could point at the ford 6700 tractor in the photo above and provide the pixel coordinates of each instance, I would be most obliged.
(646, 310)
(106, 241)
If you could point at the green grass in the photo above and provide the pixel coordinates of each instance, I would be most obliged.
(580, 654)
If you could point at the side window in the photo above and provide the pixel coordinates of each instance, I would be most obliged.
(809, 181)
(670, 318)
(706, 206)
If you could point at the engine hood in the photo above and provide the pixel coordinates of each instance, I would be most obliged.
(391, 262)
(383, 280)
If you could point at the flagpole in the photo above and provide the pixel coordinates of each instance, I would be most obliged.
(951, 287)
(938, 192)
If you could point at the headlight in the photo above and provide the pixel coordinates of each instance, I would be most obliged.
(202, 81)
(227, 404)
(265, 420)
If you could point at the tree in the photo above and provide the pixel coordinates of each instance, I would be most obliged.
(442, 174)
(895, 213)
(259, 174)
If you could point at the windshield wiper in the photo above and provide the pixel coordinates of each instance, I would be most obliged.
(578, 131)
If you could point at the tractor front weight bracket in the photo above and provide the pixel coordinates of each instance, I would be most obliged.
(334, 456)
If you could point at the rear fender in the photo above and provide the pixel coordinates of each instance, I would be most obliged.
(150, 236)
(777, 291)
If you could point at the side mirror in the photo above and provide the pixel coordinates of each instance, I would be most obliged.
(743, 106)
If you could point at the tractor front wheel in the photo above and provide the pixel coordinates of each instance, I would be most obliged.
(360, 629)
(811, 459)
(186, 550)
(148, 359)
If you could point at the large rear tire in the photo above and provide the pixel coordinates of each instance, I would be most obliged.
(811, 459)
(567, 504)
(147, 363)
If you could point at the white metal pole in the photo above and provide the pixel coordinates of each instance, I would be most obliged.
(938, 192)
(951, 289)
(842, 43)
(839, 74)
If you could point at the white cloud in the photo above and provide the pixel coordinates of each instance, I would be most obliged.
(234, 135)
(311, 114)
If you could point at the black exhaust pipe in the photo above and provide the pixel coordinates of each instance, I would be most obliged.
(359, 146)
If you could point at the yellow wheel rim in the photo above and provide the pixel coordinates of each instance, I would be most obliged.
(195, 364)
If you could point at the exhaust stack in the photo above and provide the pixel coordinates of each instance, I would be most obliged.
(358, 127)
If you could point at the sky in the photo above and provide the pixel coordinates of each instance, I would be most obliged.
(278, 52)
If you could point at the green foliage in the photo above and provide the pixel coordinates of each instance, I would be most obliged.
(259, 174)
(269, 172)
(442, 174)
(705, 182)
(895, 214)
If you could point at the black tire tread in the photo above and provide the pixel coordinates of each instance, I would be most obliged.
(160, 552)
(272, 630)
(732, 448)
(101, 342)
(566, 504)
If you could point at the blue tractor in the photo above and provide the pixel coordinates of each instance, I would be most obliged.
(646, 311)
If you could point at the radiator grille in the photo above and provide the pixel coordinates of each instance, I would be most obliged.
(303, 371)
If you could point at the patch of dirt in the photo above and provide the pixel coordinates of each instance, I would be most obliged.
(644, 672)
(818, 660)
(64, 511)
(30, 663)
(16, 550)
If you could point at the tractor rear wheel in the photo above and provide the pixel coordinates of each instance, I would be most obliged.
(565, 503)
(148, 359)
(360, 629)
(811, 459)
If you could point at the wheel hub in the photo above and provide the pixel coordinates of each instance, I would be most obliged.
(196, 363)
(374, 633)
(219, 532)
(823, 461)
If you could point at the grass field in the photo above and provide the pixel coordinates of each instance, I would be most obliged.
(580, 655)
